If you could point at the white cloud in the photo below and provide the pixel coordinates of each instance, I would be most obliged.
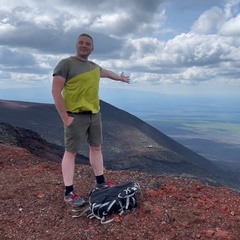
(231, 27)
(132, 36)
(209, 21)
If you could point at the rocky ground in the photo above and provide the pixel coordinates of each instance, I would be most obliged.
(172, 208)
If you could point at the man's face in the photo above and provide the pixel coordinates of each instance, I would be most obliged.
(84, 46)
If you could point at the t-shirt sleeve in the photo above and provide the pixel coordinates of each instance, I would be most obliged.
(62, 69)
(94, 65)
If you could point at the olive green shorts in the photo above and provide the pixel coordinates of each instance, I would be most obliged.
(83, 126)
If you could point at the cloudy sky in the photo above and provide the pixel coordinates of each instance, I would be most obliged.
(166, 46)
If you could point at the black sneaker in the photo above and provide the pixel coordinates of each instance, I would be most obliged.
(103, 185)
(74, 199)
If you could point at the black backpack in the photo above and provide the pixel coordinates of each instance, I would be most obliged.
(119, 199)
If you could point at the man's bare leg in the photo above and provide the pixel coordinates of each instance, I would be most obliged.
(68, 168)
(96, 160)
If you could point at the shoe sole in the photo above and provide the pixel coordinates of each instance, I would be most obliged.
(75, 205)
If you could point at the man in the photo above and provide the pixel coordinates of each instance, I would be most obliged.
(75, 88)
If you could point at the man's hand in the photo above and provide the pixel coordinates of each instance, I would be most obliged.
(68, 121)
(124, 78)
(109, 74)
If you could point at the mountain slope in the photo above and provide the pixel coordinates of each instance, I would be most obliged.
(129, 143)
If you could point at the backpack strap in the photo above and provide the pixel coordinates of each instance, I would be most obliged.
(82, 212)
(104, 221)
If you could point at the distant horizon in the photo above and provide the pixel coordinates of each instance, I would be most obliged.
(42, 94)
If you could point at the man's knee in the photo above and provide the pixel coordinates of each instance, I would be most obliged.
(69, 155)
(95, 148)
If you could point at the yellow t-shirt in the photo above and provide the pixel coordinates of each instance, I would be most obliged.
(81, 89)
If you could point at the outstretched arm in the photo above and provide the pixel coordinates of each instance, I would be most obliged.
(109, 74)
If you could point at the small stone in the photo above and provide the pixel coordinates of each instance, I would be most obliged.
(209, 233)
